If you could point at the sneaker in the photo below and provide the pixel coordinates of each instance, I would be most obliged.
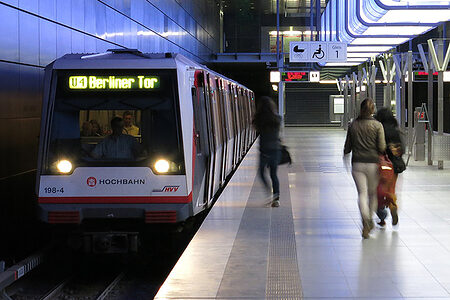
(382, 223)
(276, 203)
(394, 216)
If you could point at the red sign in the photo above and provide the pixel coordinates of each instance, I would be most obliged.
(295, 76)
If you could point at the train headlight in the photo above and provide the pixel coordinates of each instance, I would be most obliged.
(162, 166)
(64, 166)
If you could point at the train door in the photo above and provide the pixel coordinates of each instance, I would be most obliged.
(238, 125)
(222, 116)
(202, 158)
(229, 138)
(217, 132)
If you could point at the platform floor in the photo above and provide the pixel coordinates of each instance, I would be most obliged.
(311, 247)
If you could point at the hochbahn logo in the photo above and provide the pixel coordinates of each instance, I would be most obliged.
(92, 181)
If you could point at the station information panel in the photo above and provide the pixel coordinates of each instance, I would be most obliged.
(297, 76)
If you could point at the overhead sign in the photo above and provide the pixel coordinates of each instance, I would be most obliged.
(314, 76)
(423, 76)
(295, 76)
(139, 82)
(317, 52)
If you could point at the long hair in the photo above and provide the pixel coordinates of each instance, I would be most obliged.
(384, 116)
(367, 108)
(266, 117)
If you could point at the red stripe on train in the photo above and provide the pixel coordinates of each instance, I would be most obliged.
(139, 199)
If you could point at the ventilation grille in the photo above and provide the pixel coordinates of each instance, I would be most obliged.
(64, 217)
(169, 216)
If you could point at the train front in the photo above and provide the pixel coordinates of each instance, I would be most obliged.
(91, 172)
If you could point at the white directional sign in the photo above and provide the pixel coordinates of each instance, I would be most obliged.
(317, 52)
(314, 76)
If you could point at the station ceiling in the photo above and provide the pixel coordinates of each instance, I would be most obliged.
(288, 8)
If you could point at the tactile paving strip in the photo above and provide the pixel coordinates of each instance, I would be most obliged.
(283, 278)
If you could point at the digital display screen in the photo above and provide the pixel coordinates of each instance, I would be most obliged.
(295, 76)
(113, 82)
(423, 76)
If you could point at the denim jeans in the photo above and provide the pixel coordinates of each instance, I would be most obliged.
(270, 159)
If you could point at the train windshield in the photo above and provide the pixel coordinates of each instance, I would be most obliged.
(115, 118)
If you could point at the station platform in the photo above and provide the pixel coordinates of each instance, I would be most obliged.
(311, 246)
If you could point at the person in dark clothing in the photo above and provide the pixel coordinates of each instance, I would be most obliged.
(394, 149)
(267, 123)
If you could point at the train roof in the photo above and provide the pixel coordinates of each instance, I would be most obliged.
(126, 59)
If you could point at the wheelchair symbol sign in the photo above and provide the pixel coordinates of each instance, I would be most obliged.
(319, 53)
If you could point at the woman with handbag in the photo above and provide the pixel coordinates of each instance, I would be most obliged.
(394, 150)
(365, 139)
(267, 124)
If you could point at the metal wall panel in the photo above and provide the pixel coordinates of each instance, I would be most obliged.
(47, 42)
(30, 42)
(28, 39)
(9, 39)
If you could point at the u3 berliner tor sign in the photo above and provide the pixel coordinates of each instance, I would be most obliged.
(317, 52)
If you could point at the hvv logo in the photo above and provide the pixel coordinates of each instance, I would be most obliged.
(167, 189)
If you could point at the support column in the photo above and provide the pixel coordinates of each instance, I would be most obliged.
(410, 102)
(430, 109)
(440, 97)
(346, 108)
(388, 98)
(355, 109)
(373, 76)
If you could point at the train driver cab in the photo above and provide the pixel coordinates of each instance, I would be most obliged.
(84, 104)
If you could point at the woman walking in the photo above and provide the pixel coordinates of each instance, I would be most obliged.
(394, 150)
(267, 124)
(365, 139)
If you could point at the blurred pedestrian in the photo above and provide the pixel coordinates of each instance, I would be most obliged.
(394, 150)
(267, 124)
(365, 139)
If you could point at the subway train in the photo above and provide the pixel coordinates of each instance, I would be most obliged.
(192, 127)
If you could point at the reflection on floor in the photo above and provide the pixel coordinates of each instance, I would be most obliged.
(311, 246)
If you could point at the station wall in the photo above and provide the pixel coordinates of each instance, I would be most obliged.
(36, 32)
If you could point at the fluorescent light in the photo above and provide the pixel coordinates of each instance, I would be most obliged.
(447, 76)
(378, 41)
(397, 30)
(346, 64)
(418, 15)
(364, 55)
(356, 59)
(351, 48)
(275, 76)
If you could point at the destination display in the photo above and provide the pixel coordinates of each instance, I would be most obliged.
(423, 76)
(113, 82)
(295, 76)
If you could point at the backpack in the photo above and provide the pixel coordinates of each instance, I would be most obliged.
(385, 168)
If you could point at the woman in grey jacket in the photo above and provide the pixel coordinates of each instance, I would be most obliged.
(365, 139)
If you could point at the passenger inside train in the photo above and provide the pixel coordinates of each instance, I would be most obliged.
(117, 145)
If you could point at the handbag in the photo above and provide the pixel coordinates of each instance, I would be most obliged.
(396, 158)
(399, 164)
(285, 156)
